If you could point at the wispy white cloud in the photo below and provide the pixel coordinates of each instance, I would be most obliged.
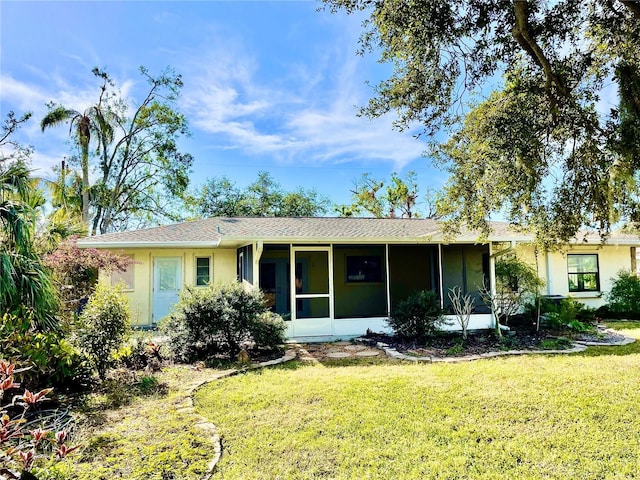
(304, 113)
(23, 96)
(311, 117)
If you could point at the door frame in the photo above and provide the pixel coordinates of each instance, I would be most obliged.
(325, 324)
(155, 279)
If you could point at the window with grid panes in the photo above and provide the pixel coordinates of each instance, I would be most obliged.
(583, 272)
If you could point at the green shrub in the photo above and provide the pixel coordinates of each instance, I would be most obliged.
(52, 360)
(221, 319)
(418, 317)
(269, 331)
(104, 326)
(560, 343)
(139, 352)
(552, 321)
(559, 315)
(150, 385)
(580, 327)
(516, 282)
(624, 297)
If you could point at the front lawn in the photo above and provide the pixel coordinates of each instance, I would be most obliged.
(138, 436)
(535, 416)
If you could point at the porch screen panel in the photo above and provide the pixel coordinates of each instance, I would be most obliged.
(412, 268)
(465, 266)
(275, 275)
(312, 272)
(359, 281)
(312, 308)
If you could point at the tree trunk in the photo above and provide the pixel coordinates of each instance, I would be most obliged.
(85, 186)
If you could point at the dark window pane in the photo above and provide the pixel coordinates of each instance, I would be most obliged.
(364, 268)
(203, 275)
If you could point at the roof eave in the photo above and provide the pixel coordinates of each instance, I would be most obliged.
(144, 244)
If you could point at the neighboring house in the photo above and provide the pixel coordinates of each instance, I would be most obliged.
(338, 277)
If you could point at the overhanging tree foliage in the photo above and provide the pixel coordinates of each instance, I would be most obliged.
(140, 170)
(545, 148)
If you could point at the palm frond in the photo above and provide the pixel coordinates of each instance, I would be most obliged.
(104, 128)
(14, 180)
(57, 116)
(25, 287)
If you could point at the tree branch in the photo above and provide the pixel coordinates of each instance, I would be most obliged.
(633, 6)
(522, 33)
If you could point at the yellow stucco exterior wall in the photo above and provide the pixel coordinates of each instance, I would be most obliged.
(141, 295)
(552, 268)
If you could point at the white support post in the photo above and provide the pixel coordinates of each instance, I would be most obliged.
(549, 275)
(388, 280)
(441, 277)
(258, 247)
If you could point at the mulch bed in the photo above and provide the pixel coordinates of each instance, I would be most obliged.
(447, 344)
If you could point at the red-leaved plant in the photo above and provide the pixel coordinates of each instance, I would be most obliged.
(75, 271)
(19, 448)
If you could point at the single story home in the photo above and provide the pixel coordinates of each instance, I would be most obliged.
(338, 277)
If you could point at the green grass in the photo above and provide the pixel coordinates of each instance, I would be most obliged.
(135, 434)
(537, 416)
(630, 329)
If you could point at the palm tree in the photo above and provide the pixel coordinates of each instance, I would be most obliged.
(58, 115)
(65, 220)
(92, 120)
(25, 286)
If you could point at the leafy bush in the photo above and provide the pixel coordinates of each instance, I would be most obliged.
(104, 326)
(418, 317)
(560, 343)
(269, 331)
(75, 272)
(139, 352)
(552, 320)
(50, 358)
(580, 327)
(624, 297)
(221, 319)
(563, 314)
(150, 385)
(516, 282)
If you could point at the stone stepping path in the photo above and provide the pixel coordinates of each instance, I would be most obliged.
(337, 350)
(354, 348)
(368, 353)
(338, 355)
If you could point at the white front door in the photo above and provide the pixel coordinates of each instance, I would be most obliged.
(167, 282)
(312, 290)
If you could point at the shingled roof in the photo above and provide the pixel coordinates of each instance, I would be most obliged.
(222, 231)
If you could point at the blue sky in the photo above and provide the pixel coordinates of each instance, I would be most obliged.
(269, 86)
